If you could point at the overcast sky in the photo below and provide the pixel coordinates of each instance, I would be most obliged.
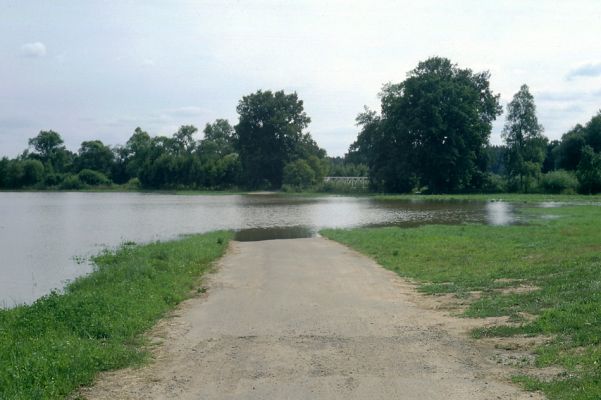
(98, 69)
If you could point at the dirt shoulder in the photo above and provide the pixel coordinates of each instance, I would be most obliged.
(310, 318)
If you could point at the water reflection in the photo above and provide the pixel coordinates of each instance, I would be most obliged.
(41, 233)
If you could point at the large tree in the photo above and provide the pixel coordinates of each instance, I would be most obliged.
(526, 145)
(49, 148)
(433, 129)
(270, 134)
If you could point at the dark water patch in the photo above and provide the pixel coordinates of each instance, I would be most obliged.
(274, 232)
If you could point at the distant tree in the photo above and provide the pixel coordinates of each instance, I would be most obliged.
(589, 171)
(569, 152)
(219, 138)
(593, 133)
(94, 155)
(270, 135)
(526, 145)
(551, 161)
(49, 148)
(33, 172)
(496, 159)
(137, 152)
(184, 139)
(4, 163)
(46, 143)
(299, 175)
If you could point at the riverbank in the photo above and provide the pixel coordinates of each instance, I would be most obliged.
(541, 279)
(62, 341)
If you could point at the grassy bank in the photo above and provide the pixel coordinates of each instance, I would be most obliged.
(558, 255)
(61, 341)
(509, 197)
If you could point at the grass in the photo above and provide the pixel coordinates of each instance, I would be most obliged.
(561, 256)
(510, 197)
(62, 341)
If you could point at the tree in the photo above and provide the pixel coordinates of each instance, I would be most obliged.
(219, 138)
(137, 152)
(270, 134)
(432, 131)
(46, 143)
(526, 145)
(94, 155)
(33, 172)
(299, 174)
(589, 171)
(49, 149)
(184, 139)
(570, 148)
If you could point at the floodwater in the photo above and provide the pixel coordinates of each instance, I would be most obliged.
(47, 238)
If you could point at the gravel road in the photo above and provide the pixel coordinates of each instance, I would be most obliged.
(307, 319)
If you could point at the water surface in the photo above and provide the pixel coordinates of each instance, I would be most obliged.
(46, 238)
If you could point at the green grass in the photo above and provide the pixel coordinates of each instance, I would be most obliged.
(60, 342)
(510, 197)
(561, 256)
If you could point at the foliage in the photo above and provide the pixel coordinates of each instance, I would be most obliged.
(560, 258)
(270, 134)
(71, 182)
(95, 155)
(93, 178)
(33, 172)
(559, 181)
(299, 175)
(62, 341)
(526, 145)
(589, 171)
(433, 130)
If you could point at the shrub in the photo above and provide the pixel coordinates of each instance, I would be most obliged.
(299, 174)
(133, 183)
(93, 178)
(494, 183)
(71, 182)
(33, 172)
(559, 181)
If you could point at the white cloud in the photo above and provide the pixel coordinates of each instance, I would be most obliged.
(585, 70)
(33, 50)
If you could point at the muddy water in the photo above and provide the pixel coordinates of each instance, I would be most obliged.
(46, 238)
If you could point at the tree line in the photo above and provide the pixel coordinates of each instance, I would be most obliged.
(268, 148)
(432, 135)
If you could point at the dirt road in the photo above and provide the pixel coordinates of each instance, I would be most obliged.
(307, 319)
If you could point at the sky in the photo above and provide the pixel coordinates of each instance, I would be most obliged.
(99, 69)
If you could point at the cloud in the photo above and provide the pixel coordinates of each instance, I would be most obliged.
(33, 50)
(586, 70)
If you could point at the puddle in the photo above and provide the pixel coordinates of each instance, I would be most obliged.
(276, 232)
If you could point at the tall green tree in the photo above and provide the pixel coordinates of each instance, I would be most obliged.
(523, 135)
(49, 148)
(95, 155)
(270, 134)
(433, 129)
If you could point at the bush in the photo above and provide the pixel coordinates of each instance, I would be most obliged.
(299, 174)
(72, 182)
(559, 181)
(53, 179)
(133, 183)
(494, 183)
(93, 178)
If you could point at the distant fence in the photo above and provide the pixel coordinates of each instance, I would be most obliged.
(352, 181)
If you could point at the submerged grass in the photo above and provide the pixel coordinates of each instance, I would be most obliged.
(560, 257)
(61, 341)
(512, 197)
